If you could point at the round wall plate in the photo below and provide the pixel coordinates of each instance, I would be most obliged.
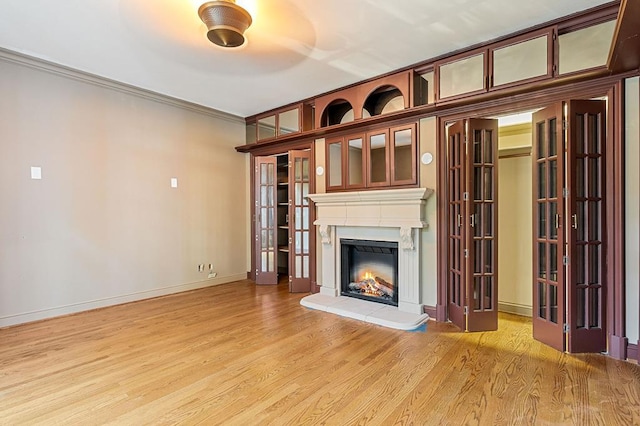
(319, 170)
(426, 158)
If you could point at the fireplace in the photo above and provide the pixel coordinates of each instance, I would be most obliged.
(391, 220)
(369, 270)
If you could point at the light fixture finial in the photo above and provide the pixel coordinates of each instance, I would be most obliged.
(226, 22)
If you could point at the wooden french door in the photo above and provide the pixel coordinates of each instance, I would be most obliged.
(472, 224)
(548, 218)
(300, 237)
(265, 220)
(569, 225)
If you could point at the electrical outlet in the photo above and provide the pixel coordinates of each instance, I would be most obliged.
(201, 267)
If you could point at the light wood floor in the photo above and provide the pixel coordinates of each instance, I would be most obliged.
(246, 355)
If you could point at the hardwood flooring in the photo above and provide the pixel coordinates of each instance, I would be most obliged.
(246, 355)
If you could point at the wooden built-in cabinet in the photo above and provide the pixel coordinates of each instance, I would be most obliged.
(282, 122)
(386, 157)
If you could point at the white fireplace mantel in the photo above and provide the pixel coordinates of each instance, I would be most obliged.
(391, 208)
(383, 215)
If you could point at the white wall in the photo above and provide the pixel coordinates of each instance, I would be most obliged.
(514, 220)
(429, 236)
(632, 207)
(103, 226)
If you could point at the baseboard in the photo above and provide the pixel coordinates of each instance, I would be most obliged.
(431, 311)
(74, 308)
(516, 309)
(618, 347)
(441, 313)
(632, 352)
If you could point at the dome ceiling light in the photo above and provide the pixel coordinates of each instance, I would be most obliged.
(226, 22)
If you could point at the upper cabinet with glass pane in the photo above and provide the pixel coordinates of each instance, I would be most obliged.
(462, 76)
(280, 123)
(385, 157)
(585, 48)
(523, 59)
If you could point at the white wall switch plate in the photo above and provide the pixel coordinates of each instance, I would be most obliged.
(36, 173)
(174, 182)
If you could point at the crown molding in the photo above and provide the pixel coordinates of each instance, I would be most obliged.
(32, 62)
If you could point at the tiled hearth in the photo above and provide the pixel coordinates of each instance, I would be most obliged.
(395, 215)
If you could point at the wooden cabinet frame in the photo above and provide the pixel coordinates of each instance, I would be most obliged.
(389, 134)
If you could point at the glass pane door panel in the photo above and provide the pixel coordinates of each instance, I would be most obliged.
(521, 61)
(481, 224)
(267, 127)
(289, 122)
(265, 220)
(462, 76)
(586, 148)
(378, 158)
(300, 232)
(456, 288)
(403, 162)
(355, 164)
(335, 164)
(585, 48)
(548, 241)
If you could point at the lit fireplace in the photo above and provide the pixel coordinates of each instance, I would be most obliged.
(370, 270)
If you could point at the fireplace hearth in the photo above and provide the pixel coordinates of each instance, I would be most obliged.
(370, 270)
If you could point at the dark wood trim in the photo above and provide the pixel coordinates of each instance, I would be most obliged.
(616, 310)
(430, 310)
(252, 215)
(632, 352)
(625, 49)
(595, 16)
(521, 94)
(441, 155)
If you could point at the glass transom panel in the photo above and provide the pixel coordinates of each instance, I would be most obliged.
(520, 61)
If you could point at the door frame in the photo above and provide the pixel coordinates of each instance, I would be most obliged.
(278, 149)
(613, 88)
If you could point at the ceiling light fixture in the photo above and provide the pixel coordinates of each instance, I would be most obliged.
(226, 22)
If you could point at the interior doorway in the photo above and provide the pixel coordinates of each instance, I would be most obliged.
(543, 176)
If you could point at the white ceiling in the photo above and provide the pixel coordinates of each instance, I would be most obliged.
(296, 48)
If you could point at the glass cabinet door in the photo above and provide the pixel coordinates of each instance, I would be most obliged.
(289, 122)
(462, 76)
(355, 162)
(403, 155)
(378, 154)
(267, 127)
(265, 220)
(335, 169)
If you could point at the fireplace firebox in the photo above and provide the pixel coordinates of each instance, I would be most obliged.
(369, 270)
